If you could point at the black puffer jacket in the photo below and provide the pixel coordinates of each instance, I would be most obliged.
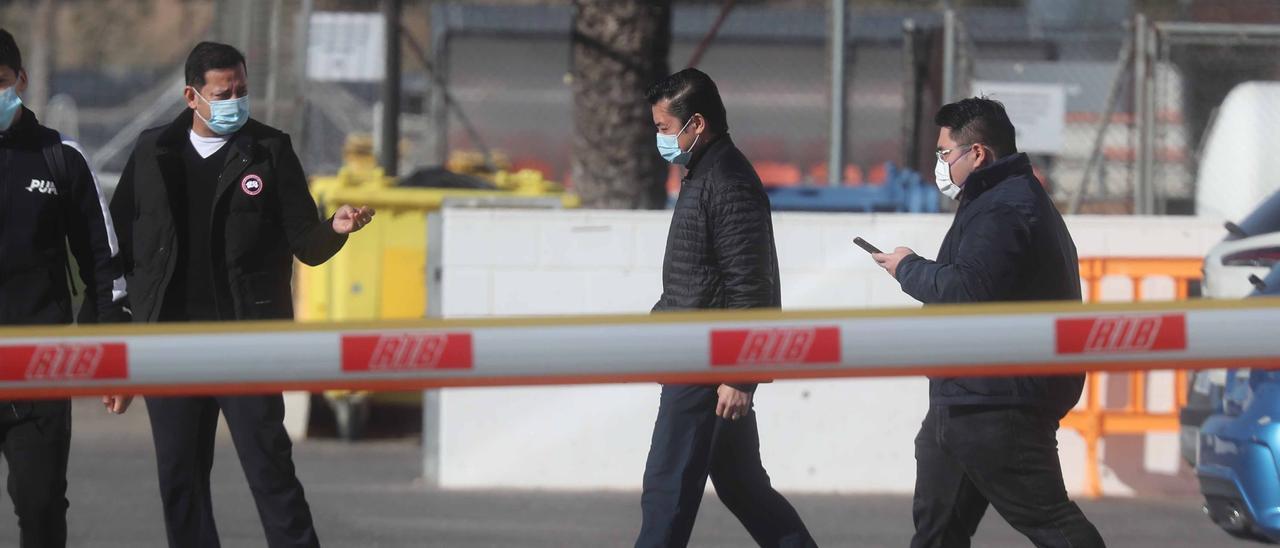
(1007, 243)
(720, 249)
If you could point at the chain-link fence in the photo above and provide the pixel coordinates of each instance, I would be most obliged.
(101, 72)
(508, 67)
(1059, 72)
(1197, 65)
(104, 71)
(1113, 115)
(1113, 100)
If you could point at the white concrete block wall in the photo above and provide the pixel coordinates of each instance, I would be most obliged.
(841, 436)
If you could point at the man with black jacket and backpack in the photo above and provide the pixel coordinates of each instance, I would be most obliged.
(212, 209)
(49, 201)
(720, 254)
(993, 440)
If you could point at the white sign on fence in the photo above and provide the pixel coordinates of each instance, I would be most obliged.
(1038, 112)
(346, 47)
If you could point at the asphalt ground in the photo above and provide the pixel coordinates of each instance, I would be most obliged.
(368, 494)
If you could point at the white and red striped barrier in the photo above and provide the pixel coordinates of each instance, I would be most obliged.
(695, 347)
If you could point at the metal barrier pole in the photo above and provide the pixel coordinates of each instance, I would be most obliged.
(911, 96)
(390, 153)
(839, 81)
(1141, 103)
(948, 55)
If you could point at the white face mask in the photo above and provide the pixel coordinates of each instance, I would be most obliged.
(942, 177)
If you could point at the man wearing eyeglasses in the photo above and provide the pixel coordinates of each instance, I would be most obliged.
(993, 440)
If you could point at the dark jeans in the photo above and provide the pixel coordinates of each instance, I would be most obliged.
(36, 439)
(183, 430)
(689, 443)
(969, 456)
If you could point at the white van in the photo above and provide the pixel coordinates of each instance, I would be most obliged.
(1240, 163)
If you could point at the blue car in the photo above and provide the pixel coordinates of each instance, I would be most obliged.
(1238, 456)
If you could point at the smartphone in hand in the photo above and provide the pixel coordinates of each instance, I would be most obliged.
(866, 246)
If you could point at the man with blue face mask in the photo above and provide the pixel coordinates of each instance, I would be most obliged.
(720, 254)
(50, 202)
(212, 209)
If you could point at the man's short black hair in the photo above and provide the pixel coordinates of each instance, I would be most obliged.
(209, 56)
(979, 120)
(691, 92)
(10, 55)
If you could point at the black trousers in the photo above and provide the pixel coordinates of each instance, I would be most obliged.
(691, 443)
(970, 456)
(36, 440)
(183, 430)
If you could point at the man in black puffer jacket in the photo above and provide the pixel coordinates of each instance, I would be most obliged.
(993, 439)
(720, 254)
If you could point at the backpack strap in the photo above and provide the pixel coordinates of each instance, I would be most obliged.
(55, 159)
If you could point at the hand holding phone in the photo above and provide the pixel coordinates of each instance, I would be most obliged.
(866, 246)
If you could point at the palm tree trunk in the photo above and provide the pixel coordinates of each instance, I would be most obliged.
(620, 47)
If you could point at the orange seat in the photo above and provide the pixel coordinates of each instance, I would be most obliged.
(852, 174)
(879, 174)
(778, 174)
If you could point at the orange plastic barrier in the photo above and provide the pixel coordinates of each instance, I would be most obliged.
(1096, 421)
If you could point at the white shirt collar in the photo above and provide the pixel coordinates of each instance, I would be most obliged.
(207, 146)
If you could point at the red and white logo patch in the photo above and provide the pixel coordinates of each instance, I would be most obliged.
(778, 346)
(1122, 334)
(63, 362)
(251, 184)
(406, 352)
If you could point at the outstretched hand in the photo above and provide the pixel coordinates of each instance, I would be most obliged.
(350, 219)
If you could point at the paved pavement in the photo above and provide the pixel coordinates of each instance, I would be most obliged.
(366, 495)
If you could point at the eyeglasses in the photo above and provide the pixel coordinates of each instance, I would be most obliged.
(943, 152)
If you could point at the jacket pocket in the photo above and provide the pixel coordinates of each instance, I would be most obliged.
(981, 386)
(34, 297)
(264, 296)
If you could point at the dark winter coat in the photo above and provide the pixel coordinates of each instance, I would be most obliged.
(263, 216)
(1007, 243)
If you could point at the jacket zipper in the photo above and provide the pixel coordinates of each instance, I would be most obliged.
(5, 183)
(213, 259)
(171, 260)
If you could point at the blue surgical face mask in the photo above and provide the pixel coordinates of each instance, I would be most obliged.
(226, 116)
(669, 146)
(9, 105)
